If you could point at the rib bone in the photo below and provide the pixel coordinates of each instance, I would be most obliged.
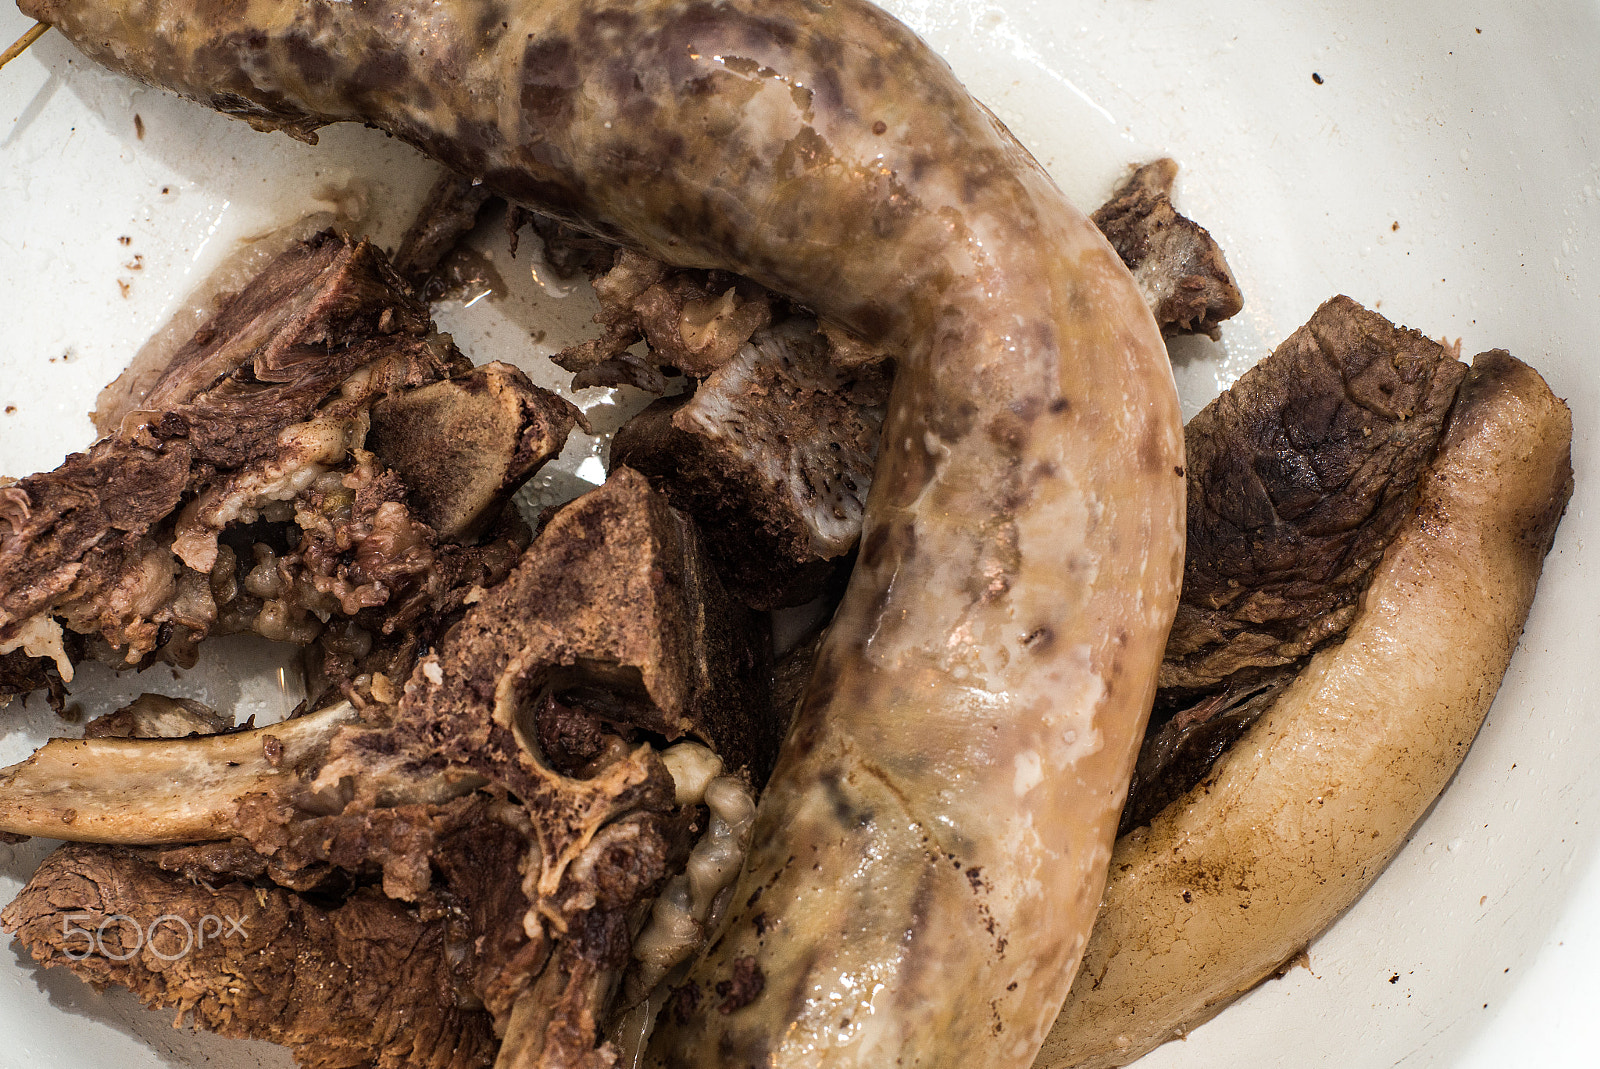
(151, 791)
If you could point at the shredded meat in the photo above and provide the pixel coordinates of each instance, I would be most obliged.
(368, 657)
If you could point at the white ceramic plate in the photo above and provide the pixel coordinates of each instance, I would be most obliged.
(1444, 169)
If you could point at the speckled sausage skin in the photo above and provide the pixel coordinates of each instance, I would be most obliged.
(932, 848)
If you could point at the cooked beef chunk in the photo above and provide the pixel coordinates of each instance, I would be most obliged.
(326, 294)
(610, 631)
(364, 983)
(86, 542)
(450, 211)
(155, 716)
(239, 495)
(82, 525)
(393, 843)
(612, 610)
(1179, 268)
(478, 866)
(1298, 478)
(773, 455)
(462, 447)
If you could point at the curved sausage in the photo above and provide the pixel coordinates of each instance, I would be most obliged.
(931, 850)
(1305, 810)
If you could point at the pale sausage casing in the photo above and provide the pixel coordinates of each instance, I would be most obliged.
(931, 849)
(1308, 807)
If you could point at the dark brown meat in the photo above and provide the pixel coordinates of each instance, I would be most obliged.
(83, 525)
(363, 984)
(326, 292)
(1186, 737)
(462, 447)
(451, 210)
(241, 495)
(392, 844)
(479, 864)
(772, 455)
(1298, 478)
(1179, 268)
(86, 542)
(612, 610)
